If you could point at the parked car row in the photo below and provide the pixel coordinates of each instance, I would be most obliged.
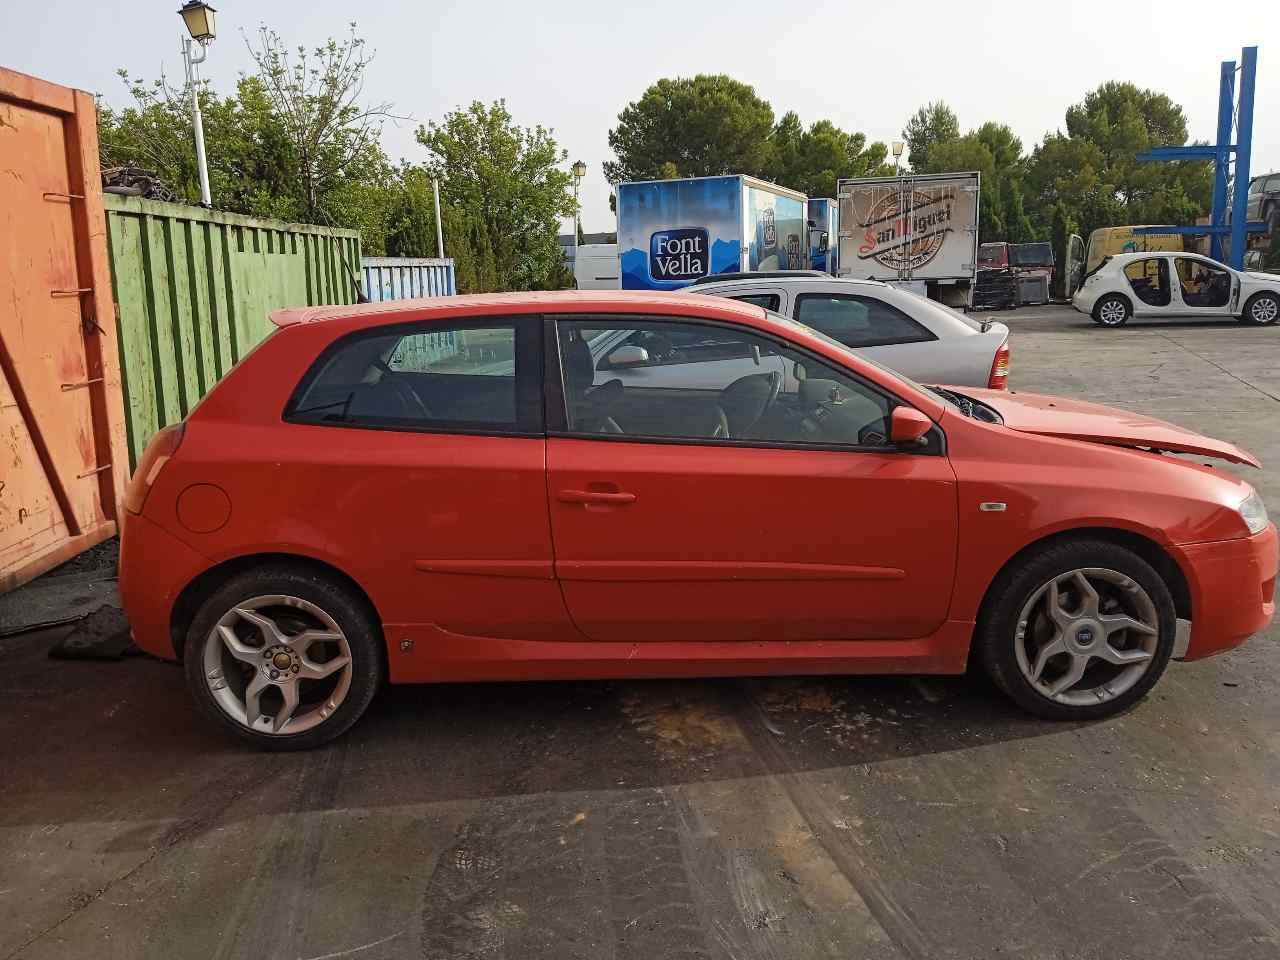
(590, 485)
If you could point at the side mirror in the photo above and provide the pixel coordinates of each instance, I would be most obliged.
(907, 426)
(628, 355)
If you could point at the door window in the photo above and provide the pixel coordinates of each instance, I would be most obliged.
(858, 321)
(770, 301)
(1149, 279)
(1203, 285)
(708, 382)
(477, 376)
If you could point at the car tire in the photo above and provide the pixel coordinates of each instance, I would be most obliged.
(1112, 310)
(268, 610)
(1015, 635)
(1262, 309)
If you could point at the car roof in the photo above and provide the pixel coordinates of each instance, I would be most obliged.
(765, 280)
(752, 275)
(541, 301)
(1140, 254)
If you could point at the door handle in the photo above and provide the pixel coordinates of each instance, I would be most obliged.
(595, 496)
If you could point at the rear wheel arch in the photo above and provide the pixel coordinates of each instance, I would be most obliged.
(1112, 295)
(210, 581)
(1149, 550)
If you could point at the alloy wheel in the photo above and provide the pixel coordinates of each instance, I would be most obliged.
(1112, 313)
(1087, 636)
(1264, 310)
(277, 664)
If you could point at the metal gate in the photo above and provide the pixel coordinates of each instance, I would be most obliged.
(63, 459)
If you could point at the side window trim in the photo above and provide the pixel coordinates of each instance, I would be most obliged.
(926, 335)
(557, 411)
(528, 376)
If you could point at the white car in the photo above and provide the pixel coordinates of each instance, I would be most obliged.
(1151, 285)
(924, 340)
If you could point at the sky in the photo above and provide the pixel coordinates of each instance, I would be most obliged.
(573, 66)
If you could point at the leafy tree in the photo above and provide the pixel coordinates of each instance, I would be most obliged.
(812, 160)
(707, 125)
(293, 142)
(1093, 170)
(932, 124)
(316, 97)
(506, 183)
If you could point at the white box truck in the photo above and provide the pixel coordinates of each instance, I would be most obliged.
(920, 232)
(595, 267)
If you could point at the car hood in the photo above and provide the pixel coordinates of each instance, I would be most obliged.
(1269, 278)
(1078, 420)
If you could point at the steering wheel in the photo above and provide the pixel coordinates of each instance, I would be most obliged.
(748, 399)
(408, 397)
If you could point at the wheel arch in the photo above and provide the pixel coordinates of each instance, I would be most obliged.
(205, 584)
(1104, 297)
(1248, 301)
(1149, 550)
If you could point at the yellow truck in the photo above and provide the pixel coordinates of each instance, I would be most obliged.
(1108, 241)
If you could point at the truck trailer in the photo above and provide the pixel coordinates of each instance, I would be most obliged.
(915, 231)
(673, 232)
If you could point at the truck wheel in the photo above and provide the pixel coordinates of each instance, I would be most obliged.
(1112, 310)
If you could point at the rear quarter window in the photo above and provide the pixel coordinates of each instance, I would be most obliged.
(480, 376)
(858, 321)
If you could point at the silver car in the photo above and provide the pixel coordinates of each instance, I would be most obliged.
(920, 338)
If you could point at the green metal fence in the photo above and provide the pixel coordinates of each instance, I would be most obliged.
(193, 289)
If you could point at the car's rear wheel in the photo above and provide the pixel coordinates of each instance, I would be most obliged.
(283, 657)
(1082, 630)
(1112, 311)
(1262, 309)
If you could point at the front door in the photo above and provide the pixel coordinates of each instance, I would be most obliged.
(750, 507)
(1201, 287)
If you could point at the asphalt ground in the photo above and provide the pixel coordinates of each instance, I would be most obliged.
(787, 818)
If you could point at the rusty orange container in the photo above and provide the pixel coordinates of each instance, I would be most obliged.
(63, 457)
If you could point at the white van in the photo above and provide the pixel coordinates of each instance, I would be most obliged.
(596, 267)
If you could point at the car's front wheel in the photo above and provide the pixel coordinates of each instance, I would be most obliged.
(283, 657)
(1080, 631)
(1112, 311)
(1262, 309)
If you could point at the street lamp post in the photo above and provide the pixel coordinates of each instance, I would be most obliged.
(579, 171)
(898, 147)
(199, 20)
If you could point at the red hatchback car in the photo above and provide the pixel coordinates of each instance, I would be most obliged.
(575, 485)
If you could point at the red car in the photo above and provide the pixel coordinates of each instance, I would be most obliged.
(463, 489)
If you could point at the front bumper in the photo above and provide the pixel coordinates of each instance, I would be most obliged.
(1233, 586)
(155, 567)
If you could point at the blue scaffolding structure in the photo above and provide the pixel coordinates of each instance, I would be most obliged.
(1234, 118)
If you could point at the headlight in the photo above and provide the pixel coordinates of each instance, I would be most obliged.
(1253, 512)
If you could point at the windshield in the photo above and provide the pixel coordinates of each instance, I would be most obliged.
(1031, 255)
(990, 254)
